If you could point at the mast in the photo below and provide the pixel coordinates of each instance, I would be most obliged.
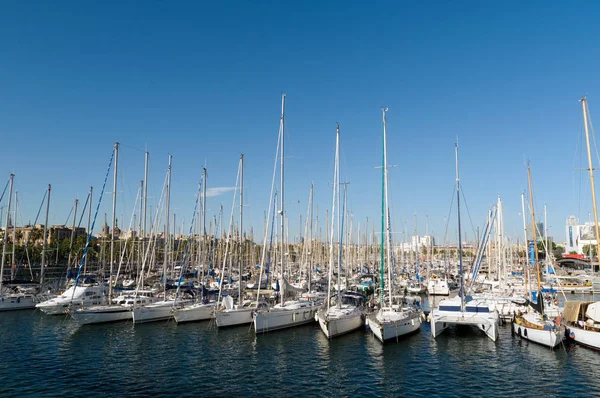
(460, 256)
(310, 247)
(89, 225)
(114, 224)
(282, 212)
(591, 169)
(168, 204)
(72, 233)
(383, 217)
(14, 236)
(534, 229)
(241, 225)
(145, 208)
(10, 191)
(335, 188)
(526, 268)
(43, 266)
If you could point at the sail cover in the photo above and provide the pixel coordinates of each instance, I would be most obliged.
(593, 311)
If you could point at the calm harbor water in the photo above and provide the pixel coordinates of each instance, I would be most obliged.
(52, 356)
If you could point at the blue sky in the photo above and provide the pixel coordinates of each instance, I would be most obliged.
(202, 81)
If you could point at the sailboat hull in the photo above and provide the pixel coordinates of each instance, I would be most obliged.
(588, 338)
(160, 311)
(234, 317)
(394, 327)
(101, 314)
(548, 338)
(335, 323)
(282, 317)
(195, 313)
(17, 302)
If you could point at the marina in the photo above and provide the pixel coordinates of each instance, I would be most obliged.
(293, 199)
(277, 363)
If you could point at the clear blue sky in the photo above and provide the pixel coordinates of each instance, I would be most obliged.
(202, 81)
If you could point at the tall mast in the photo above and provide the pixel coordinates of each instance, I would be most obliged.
(335, 189)
(14, 236)
(534, 229)
(114, 224)
(526, 268)
(168, 204)
(282, 194)
(591, 169)
(241, 231)
(310, 247)
(460, 256)
(383, 214)
(72, 233)
(10, 191)
(89, 225)
(145, 209)
(45, 242)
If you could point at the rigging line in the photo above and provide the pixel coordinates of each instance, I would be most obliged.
(449, 214)
(4, 191)
(29, 236)
(468, 212)
(89, 238)
(69, 216)
(83, 212)
(187, 241)
(592, 130)
(132, 147)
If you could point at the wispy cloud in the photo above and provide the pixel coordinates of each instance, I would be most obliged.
(218, 191)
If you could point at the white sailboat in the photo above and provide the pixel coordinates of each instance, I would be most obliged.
(108, 312)
(12, 299)
(288, 313)
(463, 310)
(344, 312)
(582, 318)
(534, 325)
(227, 313)
(390, 321)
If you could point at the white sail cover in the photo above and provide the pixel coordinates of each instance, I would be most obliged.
(593, 311)
(228, 302)
(288, 290)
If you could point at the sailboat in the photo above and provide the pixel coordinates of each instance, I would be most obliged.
(231, 314)
(108, 312)
(287, 313)
(203, 309)
(394, 320)
(12, 299)
(161, 310)
(533, 324)
(345, 311)
(462, 309)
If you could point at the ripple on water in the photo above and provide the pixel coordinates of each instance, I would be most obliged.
(52, 356)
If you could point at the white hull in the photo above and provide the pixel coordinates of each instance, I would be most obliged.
(196, 312)
(282, 317)
(437, 287)
(588, 338)
(101, 314)
(476, 313)
(17, 302)
(159, 311)
(73, 299)
(234, 317)
(390, 327)
(549, 338)
(336, 323)
(416, 290)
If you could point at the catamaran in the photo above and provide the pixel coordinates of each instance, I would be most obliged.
(462, 309)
